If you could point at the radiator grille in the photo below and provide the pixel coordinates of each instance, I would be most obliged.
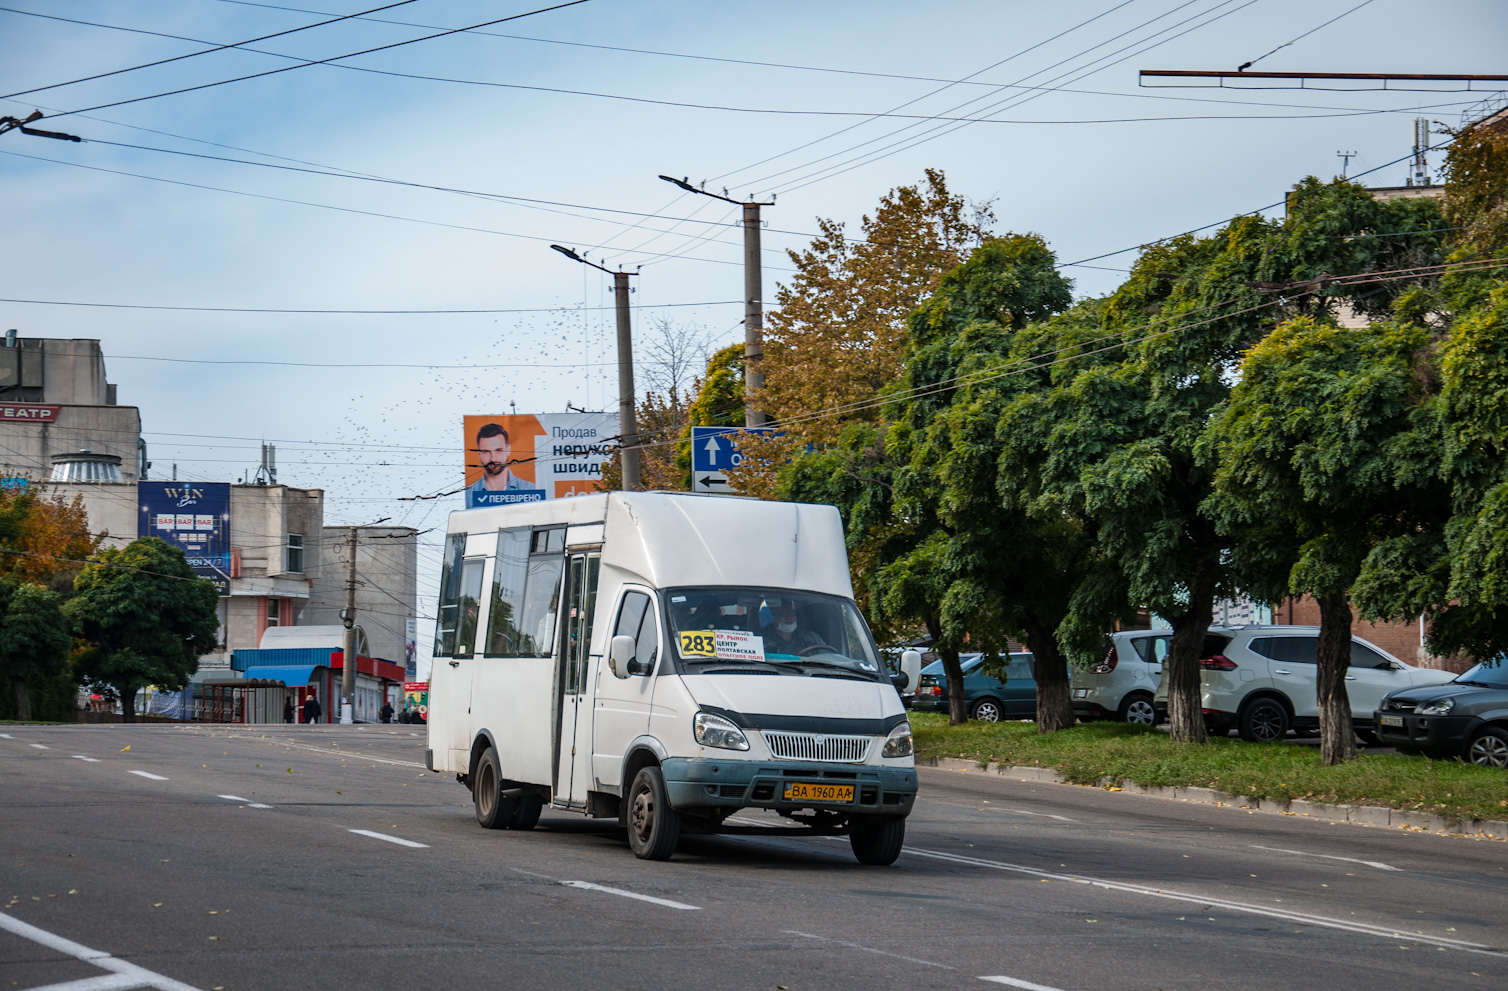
(816, 746)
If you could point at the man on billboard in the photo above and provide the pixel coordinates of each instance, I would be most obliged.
(498, 485)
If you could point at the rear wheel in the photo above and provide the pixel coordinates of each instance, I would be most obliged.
(988, 711)
(877, 844)
(493, 811)
(1264, 720)
(653, 826)
(1488, 747)
(526, 812)
(1138, 708)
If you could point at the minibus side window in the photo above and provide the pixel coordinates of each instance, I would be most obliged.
(468, 605)
(509, 574)
(636, 619)
(542, 593)
(450, 590)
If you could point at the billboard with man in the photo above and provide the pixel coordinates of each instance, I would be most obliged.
(527, 457)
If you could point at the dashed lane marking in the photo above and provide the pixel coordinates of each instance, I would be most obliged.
(149, 775)
(666, 902)
(868, 949)
(92, 760)
(1325, 856)
(122, 974)
(1016, 982)
(347, 753)
(245, 801)
(6, 736)
(391, 839)
(38, 746)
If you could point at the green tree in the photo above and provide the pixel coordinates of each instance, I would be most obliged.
(145, 619)
(34, 638)
(1320, 441)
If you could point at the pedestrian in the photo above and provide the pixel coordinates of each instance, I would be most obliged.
(386, 712)
(312, 710)
(287, 708)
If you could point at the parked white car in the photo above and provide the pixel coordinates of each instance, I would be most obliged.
(1261, 681)
(1124, 684)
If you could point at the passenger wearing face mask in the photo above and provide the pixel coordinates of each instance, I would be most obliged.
(785, 634)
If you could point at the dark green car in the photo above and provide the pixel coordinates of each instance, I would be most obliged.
(987, 699)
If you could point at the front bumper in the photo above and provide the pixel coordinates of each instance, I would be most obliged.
(1443, 735)
(747, 784)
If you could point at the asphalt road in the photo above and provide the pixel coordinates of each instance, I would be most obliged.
(300, 857)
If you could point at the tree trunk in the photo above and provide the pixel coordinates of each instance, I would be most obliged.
(1054, 701)
(23, 698)
(1337, 736)
(1185, 710)
(128, 705)
(958, 713)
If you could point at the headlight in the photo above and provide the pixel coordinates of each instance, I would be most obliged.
(898, 743)
(715, 731)
(1439, 707)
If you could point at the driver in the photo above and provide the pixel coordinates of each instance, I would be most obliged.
(785, 634)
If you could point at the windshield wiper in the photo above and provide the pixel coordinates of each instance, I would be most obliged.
(729, 667)
(849, 668)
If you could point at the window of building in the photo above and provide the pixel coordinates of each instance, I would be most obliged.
(293, 554)
(274, 610)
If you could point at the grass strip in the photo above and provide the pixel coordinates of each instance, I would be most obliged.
(1090, 752)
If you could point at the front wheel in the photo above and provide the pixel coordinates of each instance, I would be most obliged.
(1488, 747)
(1264, 721)
(988, 711)
(653, 826)
(877, 844)
(1138, 709)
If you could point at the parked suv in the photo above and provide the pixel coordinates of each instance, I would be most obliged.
(987, 698)
(1124, 684)
(1466, 718)
(1262, 681)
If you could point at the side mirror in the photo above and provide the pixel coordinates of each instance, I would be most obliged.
(620, 654)
(911, 669)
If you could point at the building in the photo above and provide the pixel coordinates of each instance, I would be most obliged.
(387, 592)
(58, 414)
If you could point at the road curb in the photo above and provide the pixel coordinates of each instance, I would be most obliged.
(1362, 815)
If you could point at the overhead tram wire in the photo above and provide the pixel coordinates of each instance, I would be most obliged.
(1014, 100)
(334, 58)
(179, 58)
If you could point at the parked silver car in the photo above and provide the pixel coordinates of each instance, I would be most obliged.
(1124, 684)
(1262, 681)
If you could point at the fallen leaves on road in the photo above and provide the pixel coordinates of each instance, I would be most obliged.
(125, 748)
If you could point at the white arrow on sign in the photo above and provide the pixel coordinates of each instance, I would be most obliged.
(712, 447)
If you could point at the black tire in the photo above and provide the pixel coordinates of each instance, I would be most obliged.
(1138, 708)
(493, 810)
(1367, 736)
(877, 844)
(1488, 747)
(653, 826)
(1264, 720)
(526, 812)
(987, 710)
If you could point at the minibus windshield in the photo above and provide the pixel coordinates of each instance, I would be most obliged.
(770, 631)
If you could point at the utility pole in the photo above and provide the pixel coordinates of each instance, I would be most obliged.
(628, 426)
(753, 298)
(348, 645)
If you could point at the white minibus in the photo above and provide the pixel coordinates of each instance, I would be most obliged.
(666, 659)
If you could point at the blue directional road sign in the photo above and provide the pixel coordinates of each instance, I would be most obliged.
(713, 451)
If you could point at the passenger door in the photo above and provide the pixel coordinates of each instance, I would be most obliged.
(622, 708)
(1295, 672)
(1370, 677)
(574, 670)
(459, 611)
(1020, 688)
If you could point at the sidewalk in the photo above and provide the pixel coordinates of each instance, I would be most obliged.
(1363, 815)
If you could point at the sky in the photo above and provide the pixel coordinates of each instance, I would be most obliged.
(221, 190)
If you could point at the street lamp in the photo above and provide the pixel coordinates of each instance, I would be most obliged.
(753, 296)
(628, 427)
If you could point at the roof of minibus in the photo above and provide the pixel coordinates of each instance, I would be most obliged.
(680, 538)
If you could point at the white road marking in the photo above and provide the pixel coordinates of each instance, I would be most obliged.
(38, 746)
(390, 839)
(346, 753)
(149, 774)
(6, 736)
(1040, 815)
(868, 949)
(245, 801)
(139, 976)
(666, 902)
(1195, 899)
(1018, 983)
(105, 982)
(92, 760)
(1325, 856)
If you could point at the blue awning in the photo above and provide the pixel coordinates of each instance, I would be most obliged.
(291, 675)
